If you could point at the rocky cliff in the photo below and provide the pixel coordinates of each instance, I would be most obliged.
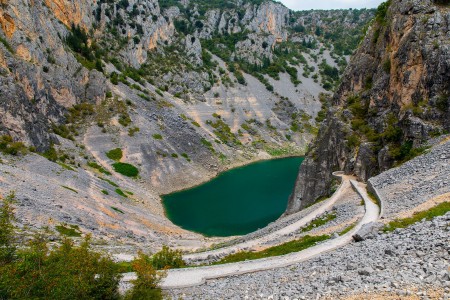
(394, 96)
(180, 89)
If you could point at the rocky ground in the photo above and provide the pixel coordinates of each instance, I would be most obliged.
(412, 262)
(415, 183)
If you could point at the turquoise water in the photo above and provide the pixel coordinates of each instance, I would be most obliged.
(236, 202)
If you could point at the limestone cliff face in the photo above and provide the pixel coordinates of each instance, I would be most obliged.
(394, 96)
(42, 76)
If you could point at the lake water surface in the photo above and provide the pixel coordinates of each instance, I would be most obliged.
(236, 202)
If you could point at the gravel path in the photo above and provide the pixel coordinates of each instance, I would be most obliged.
(410, 263)
(275, 235)
(195, 276)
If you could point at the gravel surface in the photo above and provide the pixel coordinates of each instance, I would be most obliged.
(406, 262)
(415, 182)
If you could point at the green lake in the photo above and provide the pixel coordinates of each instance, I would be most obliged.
(236, 202)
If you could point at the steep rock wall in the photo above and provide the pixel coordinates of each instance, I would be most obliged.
(393, 97)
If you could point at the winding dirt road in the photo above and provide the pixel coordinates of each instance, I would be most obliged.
(180, 278)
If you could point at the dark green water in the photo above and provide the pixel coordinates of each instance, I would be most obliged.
(236, 202)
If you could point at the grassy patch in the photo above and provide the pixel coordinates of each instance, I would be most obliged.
(8, 146)
(115, 154)
(105, 192)
(438, 210)
(319, 222)
(110, 182)
(117, 210)
(132, 131)
(157, 137)
(289, 247)
(373, 198)
(67, 167)
(347, 229)
(186, 156)
(70, 189)
(72, 230)
(7, 45)
(98, 168)
(121, 193)
(279, 151)
(126, 169)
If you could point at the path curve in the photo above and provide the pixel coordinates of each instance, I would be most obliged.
(181, 278)
(327, 205)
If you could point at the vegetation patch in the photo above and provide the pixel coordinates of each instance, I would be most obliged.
(319, 222)
(8, 146)
(126, 169)
(133, 130)
(33, 270)
(167, 259)
(439, 210)
(223, 132)
(70, 189)
(115, 154)
(289, 247)
(117, 210)
(347, 229)
(70, 231)
(186, 156)
(110, 182)
(157, 136)
(98, 168)
(121, 193)
(7, 45)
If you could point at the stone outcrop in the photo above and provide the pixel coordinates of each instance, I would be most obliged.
(394, 96)
(41, 77)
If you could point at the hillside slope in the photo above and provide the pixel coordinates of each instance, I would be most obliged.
(128, 100)
(393, 98)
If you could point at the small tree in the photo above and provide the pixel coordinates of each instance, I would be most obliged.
(167, 258)
(146, 284)
(7, 248)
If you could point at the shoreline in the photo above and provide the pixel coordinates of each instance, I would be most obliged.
(217, 175)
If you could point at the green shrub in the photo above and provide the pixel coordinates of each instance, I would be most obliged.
(146, 284)
(66, 272)
(98, 167)
(124, 119)
(7, 45)
(387, 66)
(126, 169)
(72, 230)
(121, 193)
(132, 131)
(167, 259)
(117, 210)
(115, 154)
(7, 238)
(157, 136)
(185, 156)
(443, 103)
(380, 15)
(8, 146)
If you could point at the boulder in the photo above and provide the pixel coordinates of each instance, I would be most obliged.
(368, 231)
